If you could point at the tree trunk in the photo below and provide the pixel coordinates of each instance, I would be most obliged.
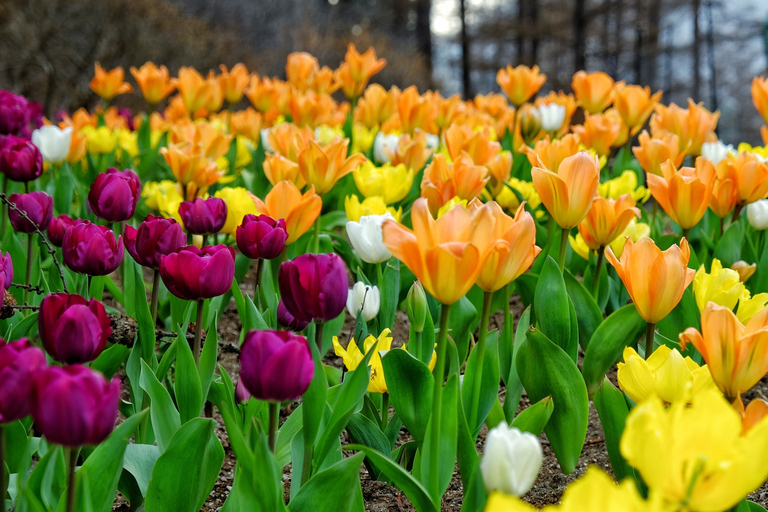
(696, 52)
(424, 32)
(580, 30)
(465, 77)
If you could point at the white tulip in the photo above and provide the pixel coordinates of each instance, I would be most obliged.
(365, 297)
(552, 116)
(383, 145)
(433, 141)
(53, 142)
(716, 151)
(757, 214)
(511, 460)
(367, 238)
(265, 140)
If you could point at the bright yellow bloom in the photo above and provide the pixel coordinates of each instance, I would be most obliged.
(155, 83)
(285, 201)
(108, 84)
(684, 193)
(362, 138)
(325, 134)
(128, 141)
(568, 193)
(373, 205)
(450, 205)
(722, 286)
(749, 306)
(594, 91)
(322, 167)
(240, 202)
(99, 140)
(510, 202)
(626, 183)
(520, 83)
(243, 157)
(634, 231)
(164, 197)
(579, 246)
(391, 183)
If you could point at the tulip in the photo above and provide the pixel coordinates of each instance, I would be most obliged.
(606, 220)
(323, 167)
(193, 89)
(361, 68)
(716, 151)
(242, 395)
(416, 306)
(653, 152)
(367, 239)
(314, 286)
(203, 216)
(278, 168)
(75, 406)
(115, 194)
(413, 151)
(365, 298)
(101, 140)
(240, 202)
(91, 249)
(384, 146)
(20, 364)
(286, 319)
(261, 237)
(155, 83)
(38, 207)
(374, 205)
(684, 193)
(233, 82)
(694, 125)
(285, 201)
(749, 173)
(724, 196)
(20, 160)
(194, 171)
(722, 286)
(634, 231)
(760, 96)
(757, 214)
(155, 238)
(635, 104)
(756, 410)
(194, 274)
(599, 132)
(72, 329)
(511, 460)
(744, 269)
(528, 125)
(552, 116)
(477, 144)
(6, 272)
(392, 183)
(442, 181)
(108, 84)
(14, 114)
(520, 83)
(53, 142)
(552, 153)
(626, 183)
(594, 91)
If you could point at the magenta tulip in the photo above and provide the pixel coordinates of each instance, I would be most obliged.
(20, 160)
(155, 238)
(37, 205)
(91, 249)
(72, 329)
(15, 114)
(242, 395)
(261, 237)
(276, 366)
(6, 271)
(20, 364)
(314, 286)
(203, 216)
(115, 194)
(287, 320)
(76, 406)
(193, 274)
(58, 227)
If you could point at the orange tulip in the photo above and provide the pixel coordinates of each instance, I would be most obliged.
(520, 83)
(736, 354)
(376, 105)
(635, 104)
(215, 98)
(756, 410)
(594, 91)
(246, 123)
(76, 148)
(192, 170)
(289, 140)
(324, 81)
(569, 192)
(614, 117)
(415, 112)
(356, 70)
(285, 201)
(447, 109)
(724, 196)
(652, 152)
(278, 168)
(551, 153)
(654, 279)
(694, 125)
(599, 132)
(500, 170)
(764, 134)
(323, 167)
(268, 94)
(760, 96)
(203, 138)
(155, 83)
(300, 69)
(496, 106)
(607, 219)
(750, 175)
(446, 255)
(234, 82)
(442, 182)
(477, 144)
(108, 84)
(413, 152)
(685, 193)
(193, 88)
(312, 109)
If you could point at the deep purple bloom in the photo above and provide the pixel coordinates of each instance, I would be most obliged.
(155, 238)
(276, 366)
(126, 114)
(58, 227)
(314, 286)
(37, 205)
(261, 236)
(20, 160)
(15, 114)
(91, 249)
(286, 319)
(115, 194)
(242, 395)
(191, 273)
(203, 216)
(72, 329)
(6, 271)
(20, 363)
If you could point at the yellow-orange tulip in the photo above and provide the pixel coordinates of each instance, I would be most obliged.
(737, 354)
(599, 132)
(477, 144)
(613, 115)
(749, 174)
(635, 104)
(155, 83)
(323, 167)
(448, 254)
(215, 93)
(193, 89)
(289, 140)
(551, 153)
(285, 201)
(76, 148)
(654, 279)
(246, 123)
(277, 168)
(376, 105)
(684, 193)
(268, 94)
(520, 83)
(694, 125)
(448, 109)
(413, 152)
(233, 82)
(202, 137)
(300, 69)
(360, 67)
(108, 84)
(744, 269)
(500, 170)
(756, 410)
(607, 219)
(312, 110)
(192, 170)
(442, 181)
(594, 91)
(760, 96)
(568, 193)
(652, 152)
(415, 111)
(724, 195)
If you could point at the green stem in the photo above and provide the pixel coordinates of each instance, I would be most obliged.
(598, 269)
(198, 332)
(30, 248)
(686, 233)
(737, 212)
(309, 445)
(71, 480)
(480, 349)
(550, 232)
(273, 417)
(5, 207)
(384, 410)
(316, 237)
(88, 287)
(650, 331)
(155, 295)
(563, 247)
(437, 396)
(205, 239)
(3, 487)
(256, 294)
(379, 275)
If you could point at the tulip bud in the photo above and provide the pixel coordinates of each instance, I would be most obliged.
(6, 271)
(242, 395)
(75, 406)
(53, 142)
(511, 460)
(115, 194)
(286, 319)
(367, 238)
(383, 146)
(276, 365)
(530, 122)
(314, 286)
(20, 160)
(19, 364)
(363, 297)
(261, 236)
(37, 205)
(58, 227)
(203, 216)
(552, 116)
(155, 238)
(91, 249)
(72, 329)
(757, 214)
(192, 274)
(416, 306)
(744, 269)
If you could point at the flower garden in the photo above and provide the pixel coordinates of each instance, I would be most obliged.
(435, 294)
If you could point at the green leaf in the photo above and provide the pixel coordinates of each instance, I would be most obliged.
(551, 308)
(514, 386)
(16, 443)
(187, 470)
(728, 249)
(165, 417)
(139, 460)
(546, 370)
(315, 398)
(463, 313)
(489, 383)
(410, 389)
(209, 358)
(588, 313)
(534, 418)
(390, 293)
(445, 445)
(337, 489)
(110, 360)
(189, 395)
(146, 329)
(612, 409)
(362, 430)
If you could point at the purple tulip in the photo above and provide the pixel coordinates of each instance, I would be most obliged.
(286, 319)
(242, 395)
(91, 249)
(261, 237)
(115, 194)
(203, 216)
(155, 238)
(37, 205)
(191, 273)
(276, 366)
(20, 362)
(6, 271)
(20, 160)
(15, 114)
(58, 227)
(126, 114)
(314, 286)
(76, 406)
(72, 329)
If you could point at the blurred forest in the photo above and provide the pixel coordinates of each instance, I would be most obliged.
(705, 49)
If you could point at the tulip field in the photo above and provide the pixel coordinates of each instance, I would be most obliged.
(312, 293)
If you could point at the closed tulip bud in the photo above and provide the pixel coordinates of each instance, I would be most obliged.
(53, 142)
(716, 151)
(552, 116)
(192, 274)
(286, 319)
(58, 227)
(203, 216)
(75, 406)
(757, 214)
(20, 362)
(91, 249)
(115, 194)
(20, 160)
(276, 366)
(511, 460)
(37, 205)
(416, 306)
(261, 236)
(367, 238)
(242, 395)
(744, 269)
(72, 329)
(363, 297)
(155, 238)
(6, 271)
(314, 286)
(594, 91)
(529, 120)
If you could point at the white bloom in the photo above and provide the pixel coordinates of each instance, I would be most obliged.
(383, 145)
(552, 116)
(511, 460)
(433, 141)
(367, 238)
(365, 297)
(53, 142)
(265, 140)
(716, 151)
(757, 214)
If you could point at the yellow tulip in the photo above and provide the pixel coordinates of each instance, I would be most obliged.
(450, 205)
(164, 197)
(508, 200)
(322, 167)
(128, 142)
(722, 286)
(568, 193)
(373, 205)
(240, 202)
(391, 183)
(749, 306)
(634, 231)
(579, 246)
(626, 183)
(362, 138)
(99, 140)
